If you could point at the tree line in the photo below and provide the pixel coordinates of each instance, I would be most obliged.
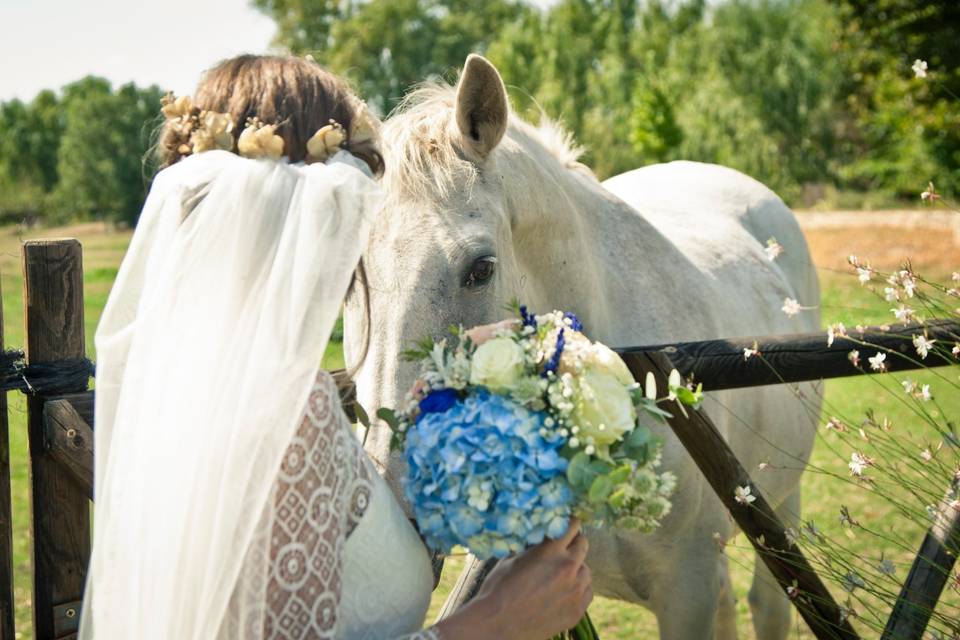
(807, 96)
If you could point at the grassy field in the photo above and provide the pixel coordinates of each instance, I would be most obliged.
(933, 251)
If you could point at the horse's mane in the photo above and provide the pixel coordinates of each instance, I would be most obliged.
(423, 158)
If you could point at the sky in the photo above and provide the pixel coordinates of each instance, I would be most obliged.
(48, 43)
(45, 44)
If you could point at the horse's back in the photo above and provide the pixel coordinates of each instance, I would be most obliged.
(699, 206)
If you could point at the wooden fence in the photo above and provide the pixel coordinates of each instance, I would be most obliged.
(60, 429)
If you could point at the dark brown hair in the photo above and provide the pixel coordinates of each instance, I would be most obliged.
(296, 94)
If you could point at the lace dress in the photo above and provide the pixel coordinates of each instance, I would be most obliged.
(336, 557)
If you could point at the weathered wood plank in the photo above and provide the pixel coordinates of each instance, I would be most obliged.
(70, 441)
(929, 573)
(54, 329)
(720, 364)
(757, 520)
(7, 629)
(81, 402)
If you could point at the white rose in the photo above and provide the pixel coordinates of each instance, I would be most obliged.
(497, 364)
(602, 358)
(604, 410)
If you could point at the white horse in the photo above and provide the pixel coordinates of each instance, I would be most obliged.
(483, 208)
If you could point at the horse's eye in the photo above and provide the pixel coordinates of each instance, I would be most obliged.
(481, 272)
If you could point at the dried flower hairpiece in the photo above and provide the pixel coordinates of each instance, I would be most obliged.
(200, 130)
(260, 140)
(326, 141)
(203, 130)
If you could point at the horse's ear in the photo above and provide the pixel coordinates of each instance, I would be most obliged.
(481, 109)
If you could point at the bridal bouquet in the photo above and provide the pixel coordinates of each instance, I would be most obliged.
(513, 428)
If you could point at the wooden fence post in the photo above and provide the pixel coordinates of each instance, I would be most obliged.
(930, 571)
(6, 523)
(54, 330)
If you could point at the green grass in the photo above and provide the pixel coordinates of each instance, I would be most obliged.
(843, 300)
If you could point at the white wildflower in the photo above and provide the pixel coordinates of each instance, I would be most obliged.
(793, 591)
(835, 330)
(743, 496)
(835, 424)
(791, 535)
(863, 274)
(903, 313)
(926, 455)
(890, 294)
(791, 307)
(852, 581)
(919, 68)
(909, 386)
(854, 358)
(923, 345)
(886, 567)
(749, 352)
(925, 394)
(858, 463)
(877, 362)
(650, 387)
(773, 249)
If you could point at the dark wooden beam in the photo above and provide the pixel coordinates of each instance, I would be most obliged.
(930, 572)
(70, 441)
(757, 519)
(53, 315)
(720, 364)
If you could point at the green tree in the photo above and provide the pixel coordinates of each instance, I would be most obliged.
(106, 138)
(902, 130)
(386, 46)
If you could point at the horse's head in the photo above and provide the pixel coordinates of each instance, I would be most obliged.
(463, 231)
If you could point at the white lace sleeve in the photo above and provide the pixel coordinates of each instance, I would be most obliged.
(321, 493)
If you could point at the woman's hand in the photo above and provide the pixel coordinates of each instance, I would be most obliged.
(541, 592)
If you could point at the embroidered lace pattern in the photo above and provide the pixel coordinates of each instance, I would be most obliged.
(291, 583)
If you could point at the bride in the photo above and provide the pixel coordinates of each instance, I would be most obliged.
(232, 497)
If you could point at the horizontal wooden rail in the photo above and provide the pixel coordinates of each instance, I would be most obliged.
(69, 439)
(721, 364)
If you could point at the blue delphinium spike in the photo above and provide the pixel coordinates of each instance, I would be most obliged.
(554, 361)
(527, 319)
(575, 323)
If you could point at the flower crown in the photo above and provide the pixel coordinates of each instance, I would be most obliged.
(205, 130)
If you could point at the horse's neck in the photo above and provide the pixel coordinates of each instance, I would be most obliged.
(570, 241)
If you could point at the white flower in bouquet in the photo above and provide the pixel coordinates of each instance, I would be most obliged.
(603, 359)
(497, 364)
(605, 411)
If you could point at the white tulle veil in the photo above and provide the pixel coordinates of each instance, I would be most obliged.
(206, 353)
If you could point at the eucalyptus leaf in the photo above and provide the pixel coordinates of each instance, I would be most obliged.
(600, 489)
(389, 416)
(362, 416)
(578, 471)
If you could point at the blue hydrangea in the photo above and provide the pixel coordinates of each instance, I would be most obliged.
(482, 476)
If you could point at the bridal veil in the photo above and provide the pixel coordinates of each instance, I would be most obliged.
(207, 352)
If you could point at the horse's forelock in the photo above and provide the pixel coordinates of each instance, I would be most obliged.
(422, 158)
